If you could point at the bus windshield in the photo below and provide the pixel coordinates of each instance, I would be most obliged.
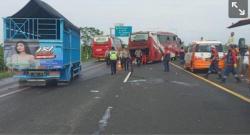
(139, 37)
(165, 38)
(101, 40)
(207, 48)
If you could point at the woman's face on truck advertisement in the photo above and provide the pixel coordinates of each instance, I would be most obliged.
(20, 47)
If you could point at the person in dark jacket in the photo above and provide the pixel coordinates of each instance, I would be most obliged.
(166, 61)
(230, 65)
(182, 56)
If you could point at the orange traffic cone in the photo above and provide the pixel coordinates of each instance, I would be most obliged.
(119, 65)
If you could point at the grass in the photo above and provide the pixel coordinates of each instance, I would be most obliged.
(6, 75)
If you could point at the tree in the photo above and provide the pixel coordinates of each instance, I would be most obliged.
(2, 65)
(88, 33)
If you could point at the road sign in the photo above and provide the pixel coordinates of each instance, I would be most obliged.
(123, 31)
(238, 8)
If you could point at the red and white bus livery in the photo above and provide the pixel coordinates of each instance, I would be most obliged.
(101, 44)
(170, 41)
(149, 45)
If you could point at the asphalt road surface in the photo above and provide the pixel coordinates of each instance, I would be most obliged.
(150, 102)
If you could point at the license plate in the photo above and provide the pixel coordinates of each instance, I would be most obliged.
(36, 73)
(98, 50)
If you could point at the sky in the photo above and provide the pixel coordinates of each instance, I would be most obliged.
(189, 19)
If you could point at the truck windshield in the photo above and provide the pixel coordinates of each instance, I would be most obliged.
(139, 37)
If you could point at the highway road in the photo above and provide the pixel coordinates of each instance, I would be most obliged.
(150, 101)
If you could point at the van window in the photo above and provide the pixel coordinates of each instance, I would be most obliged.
(202, 48)
(207, 48)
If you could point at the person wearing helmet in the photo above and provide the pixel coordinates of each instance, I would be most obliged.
(214, 66)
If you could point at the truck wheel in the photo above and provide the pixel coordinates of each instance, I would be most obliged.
(71, 75)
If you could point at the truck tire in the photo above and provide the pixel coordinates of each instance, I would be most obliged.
(71, 75)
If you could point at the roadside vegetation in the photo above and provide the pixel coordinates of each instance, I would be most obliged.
(87, 35)
(4, 73)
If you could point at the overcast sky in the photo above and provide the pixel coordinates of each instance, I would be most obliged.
(190, 19)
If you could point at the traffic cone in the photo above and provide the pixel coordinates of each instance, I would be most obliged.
(119, 65)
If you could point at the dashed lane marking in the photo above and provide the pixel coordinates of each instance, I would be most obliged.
(127, 77)
(13, 92)
(215, 84)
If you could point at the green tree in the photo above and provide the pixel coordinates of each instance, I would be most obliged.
(88, 33)
(2, 65)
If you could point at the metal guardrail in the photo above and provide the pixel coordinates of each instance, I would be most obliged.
(32, 28)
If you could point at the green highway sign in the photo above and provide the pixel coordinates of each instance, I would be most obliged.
(123, 31)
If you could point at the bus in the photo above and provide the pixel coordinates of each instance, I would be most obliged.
(101, 44)
(149, 45)
(170, 41)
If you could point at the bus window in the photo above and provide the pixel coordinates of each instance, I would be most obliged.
(101, 40)
(139, 37)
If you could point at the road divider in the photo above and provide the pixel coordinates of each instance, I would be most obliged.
(246, 99)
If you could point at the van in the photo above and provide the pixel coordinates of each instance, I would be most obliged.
(199, 54)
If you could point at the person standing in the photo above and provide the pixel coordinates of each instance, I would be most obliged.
(214, 66)
(166, 60)
(126, 59)
(245, 64)
(231, 39)
(138, 55)
(113, 56)
(107, 57)
(182, 56)
(230, 65)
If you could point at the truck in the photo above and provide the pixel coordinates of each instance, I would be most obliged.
(41, 45)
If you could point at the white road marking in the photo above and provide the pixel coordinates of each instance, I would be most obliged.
(14, 92)
(94, 91)
(104, 121)
(181, 83)
(127, 77)
(135, 81)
